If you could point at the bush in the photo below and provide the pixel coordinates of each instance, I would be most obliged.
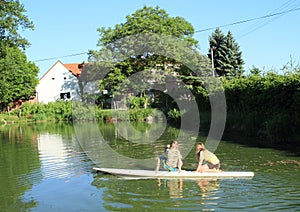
(267, 105)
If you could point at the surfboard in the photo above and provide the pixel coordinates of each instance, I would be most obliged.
(174, 174)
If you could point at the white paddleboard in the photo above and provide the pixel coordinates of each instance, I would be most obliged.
(174, 174)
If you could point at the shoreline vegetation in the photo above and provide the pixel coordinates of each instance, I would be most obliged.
(264, 108)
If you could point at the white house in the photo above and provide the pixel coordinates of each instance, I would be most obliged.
(60, 82)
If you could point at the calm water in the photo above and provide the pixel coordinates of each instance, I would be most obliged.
(48, 167)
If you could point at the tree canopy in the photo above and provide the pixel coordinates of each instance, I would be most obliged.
(148, 20)
(12, 19)
(18, 76)
(225, 53)
(151, 42)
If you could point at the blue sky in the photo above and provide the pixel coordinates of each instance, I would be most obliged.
(66, 27)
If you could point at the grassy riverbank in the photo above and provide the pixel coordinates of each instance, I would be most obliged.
(67, 111)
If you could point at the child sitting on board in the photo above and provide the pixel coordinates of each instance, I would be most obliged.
(173, 159)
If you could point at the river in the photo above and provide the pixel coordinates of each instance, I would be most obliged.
(48, 167)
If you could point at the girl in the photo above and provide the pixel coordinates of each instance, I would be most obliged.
(174, 158)
(207, 161)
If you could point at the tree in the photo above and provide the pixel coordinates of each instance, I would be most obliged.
(12, 18)
(149, 20)
(18, 77)
(161, 56)
(225, 53)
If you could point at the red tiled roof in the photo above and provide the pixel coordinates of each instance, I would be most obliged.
(75, 68)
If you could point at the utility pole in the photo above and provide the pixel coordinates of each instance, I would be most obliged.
(212, 61)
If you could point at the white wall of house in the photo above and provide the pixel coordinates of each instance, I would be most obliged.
(57, 82)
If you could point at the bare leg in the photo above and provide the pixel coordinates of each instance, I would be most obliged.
(180, 165)
(203, 168)
(157, 163)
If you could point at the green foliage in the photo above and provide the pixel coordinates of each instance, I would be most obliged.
(12, 18)
(139, 114)
(18, 77)
(55, 111)
(138, 102)
(175, 116)
(71, 111)
(268, 94)
(134, 115)
(144, 49)
(255, 71)
(266, 106)
(135, 102)
(61, 110)
(227, 58)
(291, 67)
(145, 20)
(80, 111)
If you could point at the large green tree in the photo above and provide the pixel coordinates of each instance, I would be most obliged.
(225, 54)
(12, 19)
(18, 76)
(150, 41)
(146, 20)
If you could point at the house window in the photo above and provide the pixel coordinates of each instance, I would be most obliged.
(65, 96)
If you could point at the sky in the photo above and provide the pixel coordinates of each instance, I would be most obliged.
(66, 29)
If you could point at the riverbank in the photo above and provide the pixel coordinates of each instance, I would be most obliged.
(235, 131)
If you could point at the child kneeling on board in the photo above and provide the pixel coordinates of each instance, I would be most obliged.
(207, 161)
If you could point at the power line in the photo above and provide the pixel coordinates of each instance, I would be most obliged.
(197, 31)
(53, 58)
(248, 20)
(261, 23)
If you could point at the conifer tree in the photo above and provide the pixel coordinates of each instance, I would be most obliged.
(225, 53)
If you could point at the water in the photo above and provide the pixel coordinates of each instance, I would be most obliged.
(45, 167)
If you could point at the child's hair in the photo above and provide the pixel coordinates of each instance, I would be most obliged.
(197, 151)
(173, 142)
